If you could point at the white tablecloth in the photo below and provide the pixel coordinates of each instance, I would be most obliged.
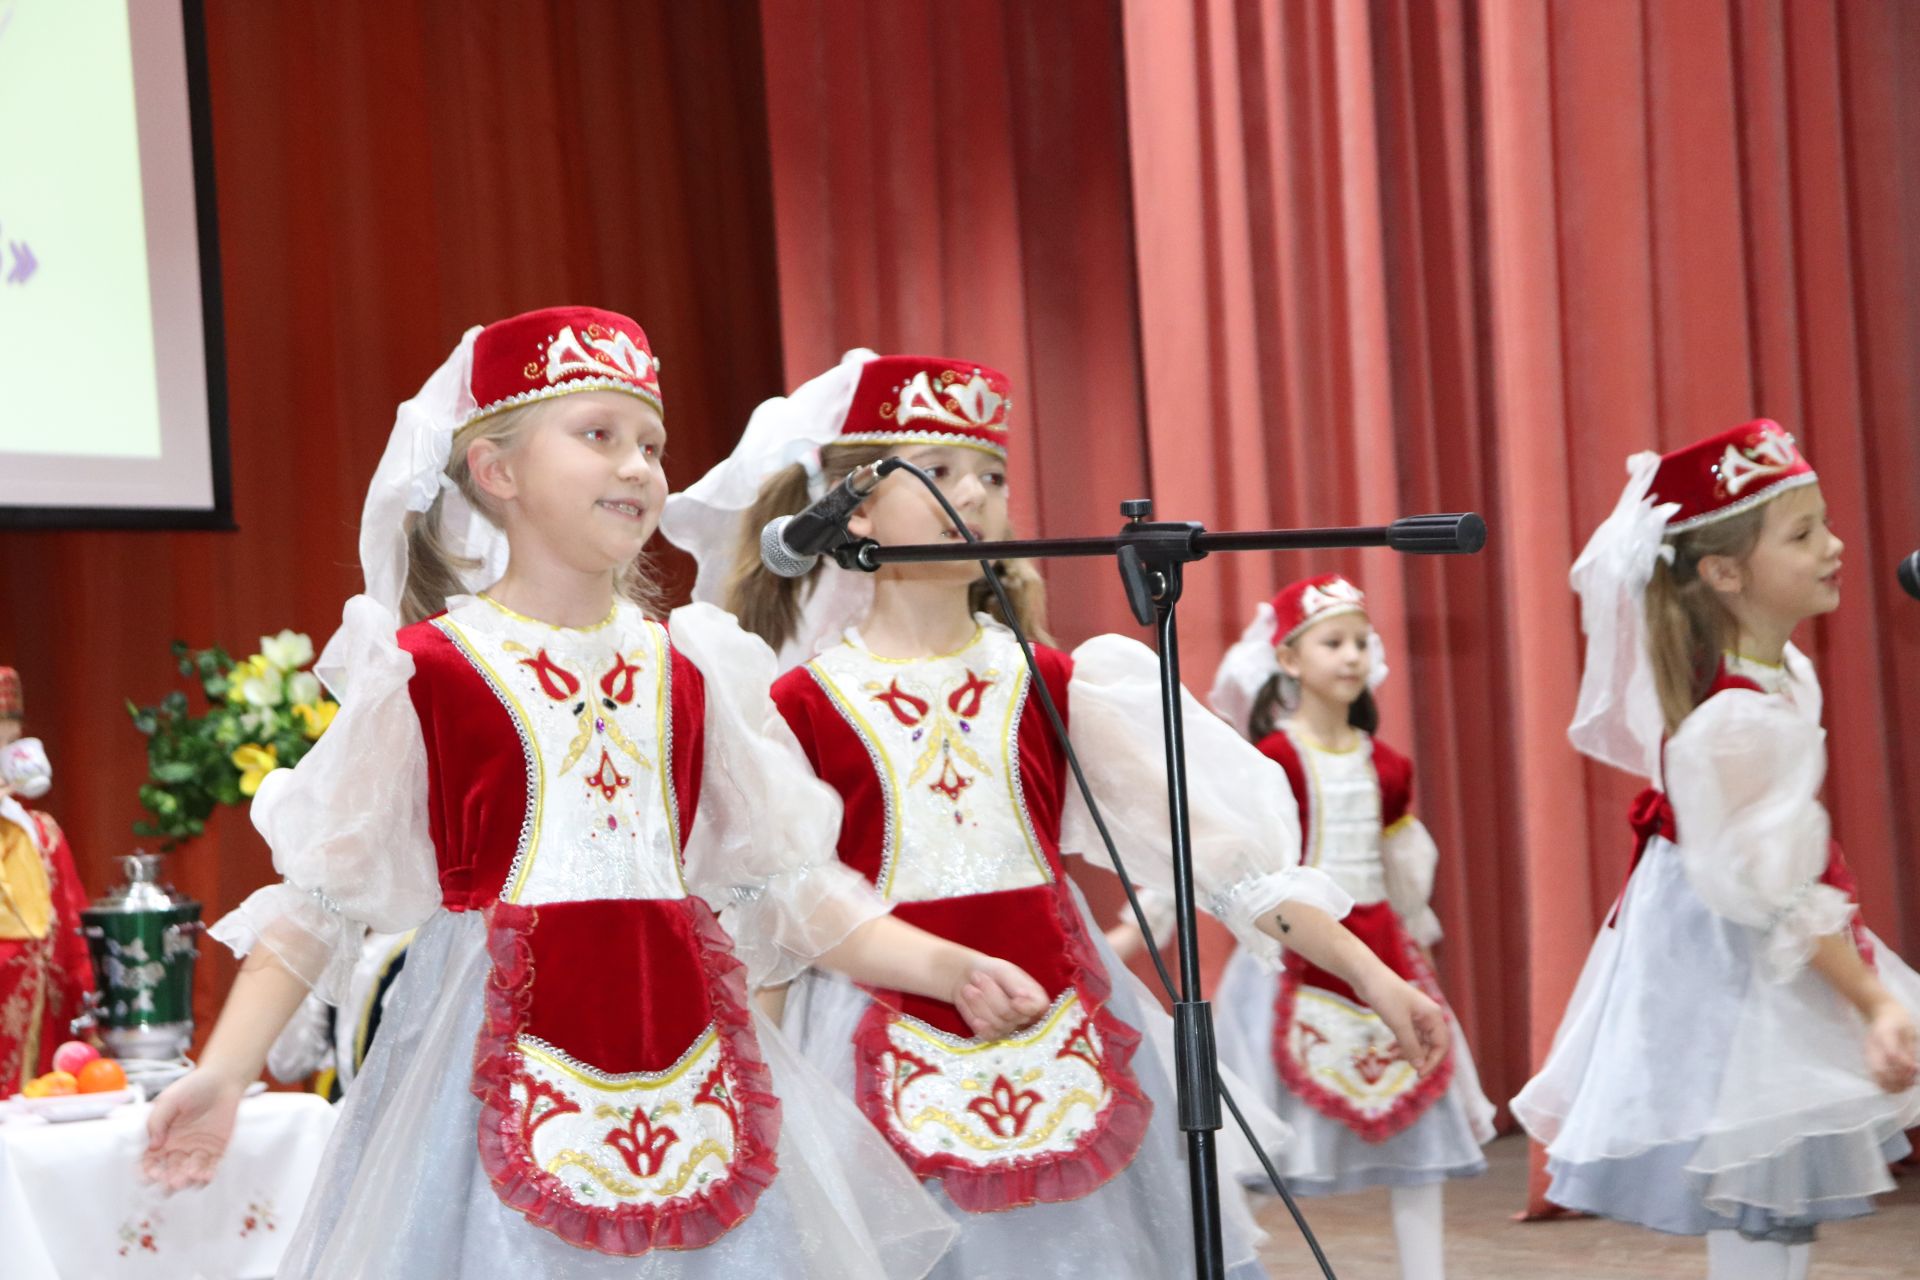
(73, 1207)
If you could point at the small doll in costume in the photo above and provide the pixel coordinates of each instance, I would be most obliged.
(1055, 1150)
(45, 975)
(1739, 1058)
(602, 832)
(1299, 684)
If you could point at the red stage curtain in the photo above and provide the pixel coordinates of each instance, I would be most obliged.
(1424, 254)
(388, 175)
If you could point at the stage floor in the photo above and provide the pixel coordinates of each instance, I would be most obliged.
(1484, 1243)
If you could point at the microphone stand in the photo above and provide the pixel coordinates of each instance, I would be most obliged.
(1152, 557)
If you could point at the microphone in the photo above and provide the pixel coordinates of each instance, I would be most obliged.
(791, 546)
(1909, 575)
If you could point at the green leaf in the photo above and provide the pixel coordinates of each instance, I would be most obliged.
(179, 771)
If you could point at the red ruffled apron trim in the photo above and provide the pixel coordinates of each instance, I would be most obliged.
(1386, 937)
(625, 1230)
(1046, 1178)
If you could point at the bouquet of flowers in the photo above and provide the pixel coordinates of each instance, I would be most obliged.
(262, 714)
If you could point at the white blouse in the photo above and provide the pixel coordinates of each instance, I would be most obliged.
(1744, 773)
(1246, 829)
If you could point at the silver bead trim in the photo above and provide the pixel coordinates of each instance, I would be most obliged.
(612, 1080)
(599, 383)
(1014, 782)
(922, 437)
(327, 903)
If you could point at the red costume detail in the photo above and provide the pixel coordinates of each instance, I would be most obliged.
(1728, 473)
(643, 1147)
(617, 683)
(608, 780)
(557, 350)
(964, 701)
(951, 781)
(909, 399)
(1299, 605)
(673, 948)
(906, 708)
(1005, 1110)
(533, 1115)
(556, 681)
(715, 1093)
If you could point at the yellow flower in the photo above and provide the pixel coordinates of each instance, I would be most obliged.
(252, 669)
(314, 717)
(254, 764)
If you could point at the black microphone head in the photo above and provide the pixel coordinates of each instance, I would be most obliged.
(1909, 575)
(780, 559)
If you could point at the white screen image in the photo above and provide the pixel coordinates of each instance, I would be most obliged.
(104, 405)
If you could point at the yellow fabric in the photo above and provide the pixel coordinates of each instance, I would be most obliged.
(26, 896)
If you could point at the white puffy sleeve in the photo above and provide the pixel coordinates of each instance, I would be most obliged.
(1410, 858)
(348, 826)
(763, 848)
(1744, 774)
(1246, 828)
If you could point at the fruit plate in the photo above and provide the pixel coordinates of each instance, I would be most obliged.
(76, 1106)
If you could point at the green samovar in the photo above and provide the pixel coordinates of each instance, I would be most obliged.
(144, 940)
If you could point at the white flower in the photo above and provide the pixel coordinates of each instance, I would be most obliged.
(303, 687)
(289, 651)
(264, 690)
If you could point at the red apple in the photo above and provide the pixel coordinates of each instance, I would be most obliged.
(73, 1055)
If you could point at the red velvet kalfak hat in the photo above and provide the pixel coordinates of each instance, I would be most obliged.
(1728, 473)
(12, 704)
(1301, 604)
(929, 400)
(558, 350)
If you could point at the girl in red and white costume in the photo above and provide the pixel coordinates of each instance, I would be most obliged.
(1055, 1150)
(1738, 1059)
(1299, 684)
(567, 799)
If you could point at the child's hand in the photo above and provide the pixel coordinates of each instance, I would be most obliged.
(1417, 1022)
(1893, 1048)
(997, 998)
(188, 1129)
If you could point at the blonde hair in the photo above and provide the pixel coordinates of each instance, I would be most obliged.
(1688, 626)
(434, 569)
(769, 605)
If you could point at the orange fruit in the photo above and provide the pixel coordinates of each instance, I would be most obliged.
(54, 1084)
(102, 1075)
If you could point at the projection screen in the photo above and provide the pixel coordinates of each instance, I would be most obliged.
(112, 379)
